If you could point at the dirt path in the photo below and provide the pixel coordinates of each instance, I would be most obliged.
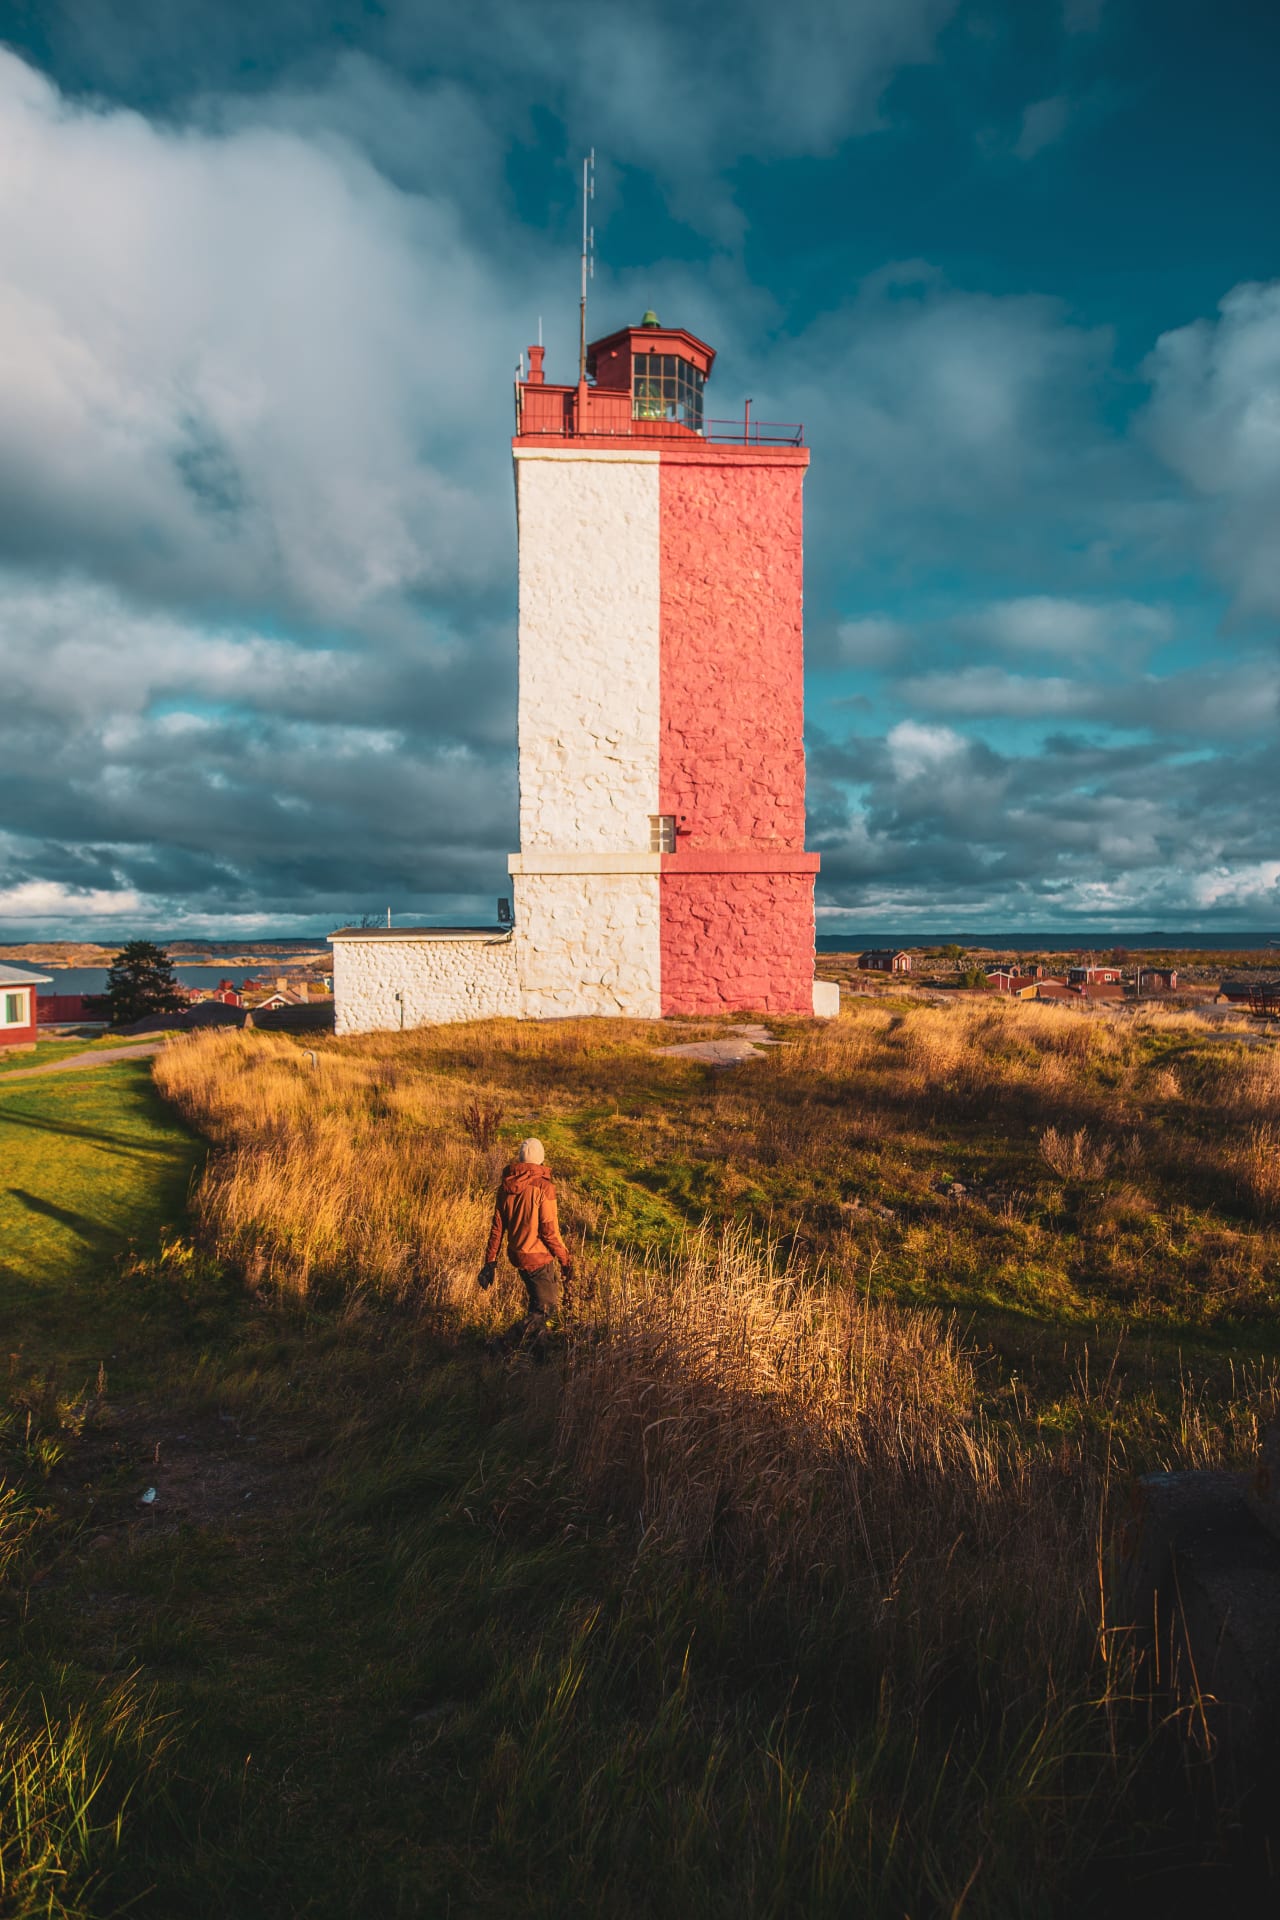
(749, 1040)
(76, 1062)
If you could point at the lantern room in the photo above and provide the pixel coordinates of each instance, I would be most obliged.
(644, 381)
(663, 369)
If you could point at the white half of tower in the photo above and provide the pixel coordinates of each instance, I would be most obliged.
(585, 881)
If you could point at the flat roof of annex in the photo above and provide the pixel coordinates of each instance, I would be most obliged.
(420, 933)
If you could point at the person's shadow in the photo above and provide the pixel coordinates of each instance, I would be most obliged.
(80, 1223)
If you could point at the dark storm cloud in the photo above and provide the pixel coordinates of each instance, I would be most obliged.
(256, 526)
(292, 780)
(1086, 822)
(257, 613)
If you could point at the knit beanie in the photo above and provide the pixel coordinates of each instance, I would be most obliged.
(533, 1152)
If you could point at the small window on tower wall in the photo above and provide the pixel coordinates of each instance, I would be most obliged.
(662, 833)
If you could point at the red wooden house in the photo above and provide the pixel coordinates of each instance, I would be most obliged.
(885, 960)
(18, 1005)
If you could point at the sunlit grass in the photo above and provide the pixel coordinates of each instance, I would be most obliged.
(92, 1164)
(93, 1167)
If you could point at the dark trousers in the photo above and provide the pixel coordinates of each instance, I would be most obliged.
(543, 1288)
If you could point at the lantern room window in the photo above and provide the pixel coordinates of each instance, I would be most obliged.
(665, 387)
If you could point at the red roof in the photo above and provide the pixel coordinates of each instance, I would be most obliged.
(609, 360)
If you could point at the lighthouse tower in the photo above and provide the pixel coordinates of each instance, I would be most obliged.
(662, 865)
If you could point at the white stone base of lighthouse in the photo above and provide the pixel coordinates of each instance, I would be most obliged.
(424, 977)
(588, 943)
(584, 942)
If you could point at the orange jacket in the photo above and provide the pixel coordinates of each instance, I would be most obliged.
(526, 1213)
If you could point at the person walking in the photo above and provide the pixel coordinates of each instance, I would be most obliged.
(525, 1213)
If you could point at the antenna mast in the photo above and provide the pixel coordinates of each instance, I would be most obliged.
(588, 257)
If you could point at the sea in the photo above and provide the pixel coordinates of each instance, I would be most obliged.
(94, 979)
(1090, 940)
(1061, 940)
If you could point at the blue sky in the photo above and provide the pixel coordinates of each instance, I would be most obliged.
(264, 274)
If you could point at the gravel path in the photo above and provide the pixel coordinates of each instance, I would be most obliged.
(77, 1062)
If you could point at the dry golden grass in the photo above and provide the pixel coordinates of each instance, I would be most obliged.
(749, 1386)
(1075, 1156)
(781, 1416)
(832, 1451)
(1257, 1165)
(805, 1438)
(369, 1163)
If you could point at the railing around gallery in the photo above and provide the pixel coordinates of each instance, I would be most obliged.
(753, 433)
(746, 432)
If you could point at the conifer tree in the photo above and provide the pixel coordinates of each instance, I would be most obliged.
(140, 982)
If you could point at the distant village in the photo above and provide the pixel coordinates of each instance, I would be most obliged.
(301, 999)
(224, 1004)
(1121, 978)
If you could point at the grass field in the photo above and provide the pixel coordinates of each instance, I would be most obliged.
(779, 1590)
(94, 1164)
(95, 1168)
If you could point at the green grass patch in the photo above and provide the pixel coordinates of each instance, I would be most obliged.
(95, 1166)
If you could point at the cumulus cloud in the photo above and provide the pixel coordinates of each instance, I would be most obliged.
(46, 902)
(240, 367)
(1076, 629)
(949, 422)
(993, 692)
(1201, 703)
(254, 503)
(1248, 887)
(1131, 830)
(682, 90)
(916, 750)
(144, 758)
(1214, 416)
(873, 641)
